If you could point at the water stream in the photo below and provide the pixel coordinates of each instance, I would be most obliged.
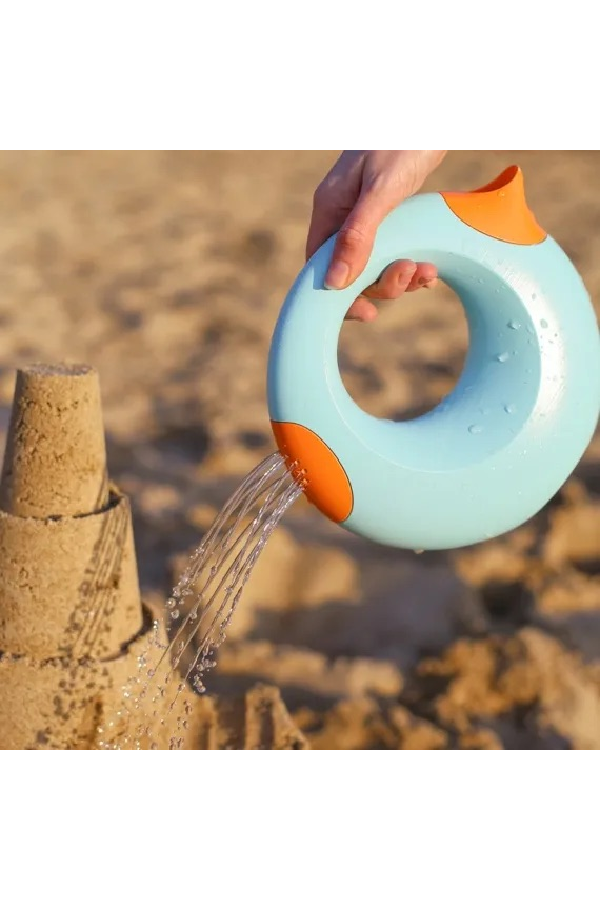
(156, 703)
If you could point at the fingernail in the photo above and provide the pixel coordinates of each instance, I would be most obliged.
(337, 275)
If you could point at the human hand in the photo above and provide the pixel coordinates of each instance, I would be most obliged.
(354, 198)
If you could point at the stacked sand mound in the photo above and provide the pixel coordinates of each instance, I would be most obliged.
(70, 613)
(72, 626)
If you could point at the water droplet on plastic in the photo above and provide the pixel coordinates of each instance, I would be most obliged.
(174, 613)
(502, 357)
(514, 325)
(170, 603)
(509, 408)
(475, 429)
(543, 323)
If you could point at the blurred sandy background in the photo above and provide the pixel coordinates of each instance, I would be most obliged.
(166, 271)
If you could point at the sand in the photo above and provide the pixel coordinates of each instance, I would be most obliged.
(165, 271)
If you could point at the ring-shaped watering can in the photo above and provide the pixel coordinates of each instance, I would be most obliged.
(526, 405)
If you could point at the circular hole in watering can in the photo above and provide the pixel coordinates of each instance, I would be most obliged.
(404, 363)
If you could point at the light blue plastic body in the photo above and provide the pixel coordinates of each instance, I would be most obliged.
(519, 419)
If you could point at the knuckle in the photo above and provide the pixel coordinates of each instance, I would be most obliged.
(352, 237)
(379, 183)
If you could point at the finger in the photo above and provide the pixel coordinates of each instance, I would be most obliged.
(325, 222)
(362, 310)
(424, 276)
(393, 281)
(355, 240)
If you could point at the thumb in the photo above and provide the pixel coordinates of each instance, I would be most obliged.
(356, 237)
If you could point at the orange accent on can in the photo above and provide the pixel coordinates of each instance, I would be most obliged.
(499, 209)
(317, 468)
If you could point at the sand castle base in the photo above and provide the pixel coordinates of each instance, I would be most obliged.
(62, 703)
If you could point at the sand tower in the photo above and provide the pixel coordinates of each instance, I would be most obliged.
(71, 619)
(72, 625)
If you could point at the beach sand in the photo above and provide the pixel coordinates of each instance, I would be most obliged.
(166, 272)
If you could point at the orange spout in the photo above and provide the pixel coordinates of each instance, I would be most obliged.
(499, 209)
(317, 469)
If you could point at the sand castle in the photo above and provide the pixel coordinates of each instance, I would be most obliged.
(72, 622)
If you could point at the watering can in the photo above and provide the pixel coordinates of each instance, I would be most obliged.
(526, 405)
